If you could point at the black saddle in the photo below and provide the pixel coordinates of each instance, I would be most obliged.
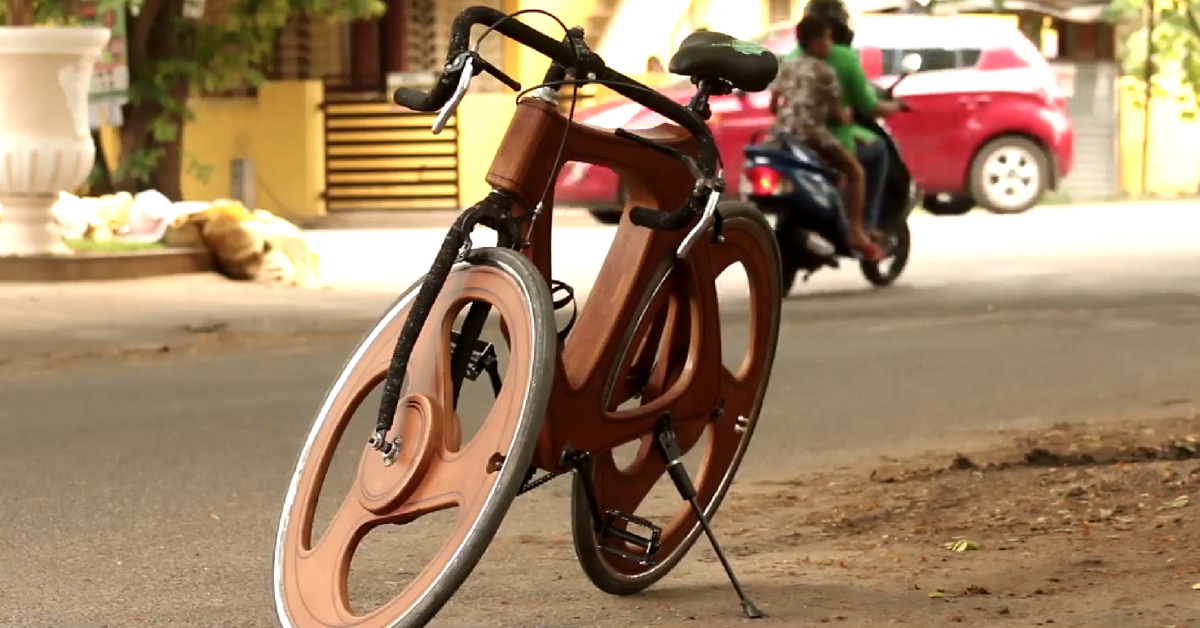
(712, 55)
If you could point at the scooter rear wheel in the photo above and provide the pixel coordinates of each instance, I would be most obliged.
(886, 271)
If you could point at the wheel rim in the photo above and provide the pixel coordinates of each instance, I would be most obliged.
(728, 436)
(889, 268)
(895, 251)
(1011, 177)
(433, 472)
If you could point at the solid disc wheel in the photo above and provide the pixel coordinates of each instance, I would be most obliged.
(434, 471)
(663, 349)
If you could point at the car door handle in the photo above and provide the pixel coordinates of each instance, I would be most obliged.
(971, 102)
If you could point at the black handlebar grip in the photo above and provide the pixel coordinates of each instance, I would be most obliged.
(415, 99)
(662, 221)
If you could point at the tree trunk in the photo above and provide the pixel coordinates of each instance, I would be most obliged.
(165, 38)
(168, 178)
(136, 142)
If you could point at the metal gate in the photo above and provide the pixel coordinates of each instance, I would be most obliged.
(381, 157)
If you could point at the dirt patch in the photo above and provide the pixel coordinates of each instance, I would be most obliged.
(1077, 525)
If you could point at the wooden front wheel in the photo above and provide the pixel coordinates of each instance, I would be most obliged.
(434, 471)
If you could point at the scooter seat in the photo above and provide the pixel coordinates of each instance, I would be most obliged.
(810, 160)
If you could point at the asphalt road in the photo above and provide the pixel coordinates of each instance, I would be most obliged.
(146, 491)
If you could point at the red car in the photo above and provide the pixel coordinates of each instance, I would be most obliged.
(989, 125)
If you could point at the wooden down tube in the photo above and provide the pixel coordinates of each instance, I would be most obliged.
(577, 415)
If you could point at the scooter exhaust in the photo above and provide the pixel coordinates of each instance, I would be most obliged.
(818, 246)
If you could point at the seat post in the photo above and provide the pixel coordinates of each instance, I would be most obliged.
(699, 103)
(705, 89)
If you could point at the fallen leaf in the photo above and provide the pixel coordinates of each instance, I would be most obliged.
(1179, 502)
(962, 545)
(213, 516)
(940, 594)
(1196, 587)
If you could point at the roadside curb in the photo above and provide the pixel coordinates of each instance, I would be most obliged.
(419, 219)
(105, 266)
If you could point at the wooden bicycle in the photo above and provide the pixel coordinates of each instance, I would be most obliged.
(650, 333)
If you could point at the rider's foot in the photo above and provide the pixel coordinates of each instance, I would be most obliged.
(867, 249)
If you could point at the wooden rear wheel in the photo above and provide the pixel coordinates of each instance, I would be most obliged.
(435, 469)
(660, 350)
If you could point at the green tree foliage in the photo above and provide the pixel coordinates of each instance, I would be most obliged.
(171, 56)
(1174, 50)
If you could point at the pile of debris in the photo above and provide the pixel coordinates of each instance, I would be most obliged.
(246, 244)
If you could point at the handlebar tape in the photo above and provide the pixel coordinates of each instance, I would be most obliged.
(417, 100)
(663, 221)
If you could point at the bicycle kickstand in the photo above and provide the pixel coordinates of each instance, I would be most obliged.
(668, 447)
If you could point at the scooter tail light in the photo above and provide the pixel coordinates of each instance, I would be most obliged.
(766, 181)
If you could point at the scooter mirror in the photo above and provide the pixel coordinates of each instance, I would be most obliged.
(911, 63)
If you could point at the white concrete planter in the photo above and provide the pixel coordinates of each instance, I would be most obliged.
(45, 141)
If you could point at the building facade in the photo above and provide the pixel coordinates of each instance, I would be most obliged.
(323, 136)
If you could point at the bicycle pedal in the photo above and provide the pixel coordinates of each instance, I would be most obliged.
(483, 356)
(614, 539)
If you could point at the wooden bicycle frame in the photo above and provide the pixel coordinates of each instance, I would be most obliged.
(577, 417)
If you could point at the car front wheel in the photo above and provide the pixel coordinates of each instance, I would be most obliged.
(1009, 175)
(610, 215)
(606, 215)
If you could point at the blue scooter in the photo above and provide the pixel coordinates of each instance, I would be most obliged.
(794, 183)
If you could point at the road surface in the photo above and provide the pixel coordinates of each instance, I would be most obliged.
(143, 487)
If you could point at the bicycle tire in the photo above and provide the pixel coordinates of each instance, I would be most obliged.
(542, 347)
(593, 560)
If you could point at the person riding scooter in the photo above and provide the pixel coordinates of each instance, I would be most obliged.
(859, 94)
(806, 101)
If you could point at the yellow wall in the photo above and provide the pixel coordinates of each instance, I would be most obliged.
(280, 131)
(639, 29)
(482, 122)
(740, 18)
(525, 64)
(1174, 163)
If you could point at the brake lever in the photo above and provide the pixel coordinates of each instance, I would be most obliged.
(708, 218)
(464, 83)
